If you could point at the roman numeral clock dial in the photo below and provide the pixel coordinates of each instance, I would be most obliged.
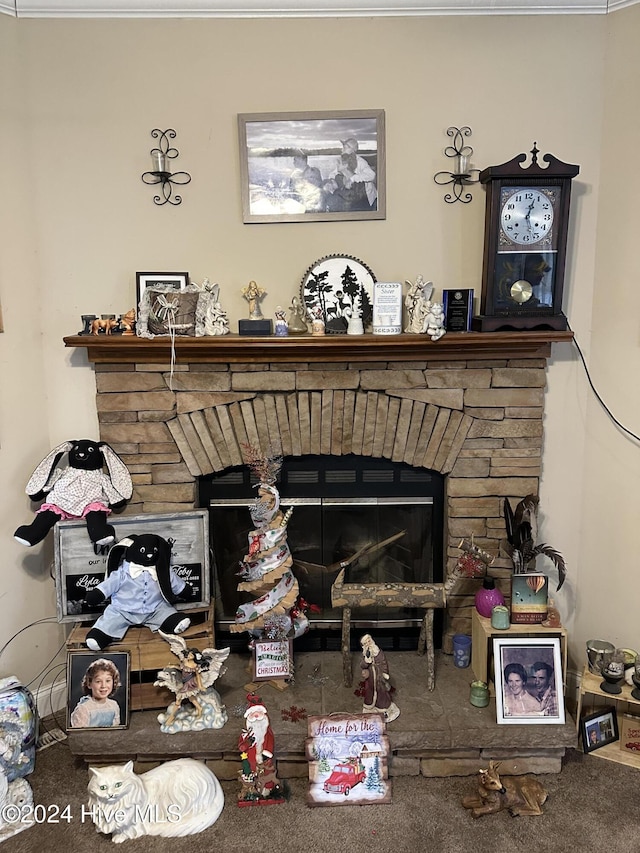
(526, 225)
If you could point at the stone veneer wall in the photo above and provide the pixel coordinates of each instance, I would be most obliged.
(478, 422)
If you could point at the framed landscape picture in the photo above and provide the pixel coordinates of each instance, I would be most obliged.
(312, 166)
(528, 679)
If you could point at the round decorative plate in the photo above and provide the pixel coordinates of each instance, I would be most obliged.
(333, 286)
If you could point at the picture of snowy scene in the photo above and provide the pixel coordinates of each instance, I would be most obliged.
(347, 756)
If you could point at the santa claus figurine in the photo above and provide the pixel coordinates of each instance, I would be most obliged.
(258, 774)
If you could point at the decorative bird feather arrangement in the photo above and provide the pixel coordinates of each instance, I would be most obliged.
(522, 532)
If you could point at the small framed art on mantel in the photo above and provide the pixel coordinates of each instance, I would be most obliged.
(312, 166)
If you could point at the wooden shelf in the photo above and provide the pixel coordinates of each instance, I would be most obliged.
(613, 752)
(454, 346)
(590, 684)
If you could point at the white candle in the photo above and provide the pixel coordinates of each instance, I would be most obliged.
(461, 165)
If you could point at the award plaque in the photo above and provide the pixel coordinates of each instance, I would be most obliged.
(458, 308)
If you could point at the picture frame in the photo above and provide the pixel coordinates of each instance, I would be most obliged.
(332, 286)
(175, 280)
(79, 566)
(89, 706)
(272, 659)
(599, 728)
(312, 166)
(524, 668)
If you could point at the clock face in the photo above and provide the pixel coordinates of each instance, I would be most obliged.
(527, 217)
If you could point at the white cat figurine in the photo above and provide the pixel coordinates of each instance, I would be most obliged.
(177, 798)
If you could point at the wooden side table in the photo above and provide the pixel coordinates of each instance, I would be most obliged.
(482, 632)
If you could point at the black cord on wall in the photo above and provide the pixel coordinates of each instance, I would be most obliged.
(595, 391)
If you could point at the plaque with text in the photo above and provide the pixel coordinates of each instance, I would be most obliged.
(458, 308)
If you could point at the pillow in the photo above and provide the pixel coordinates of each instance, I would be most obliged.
(172, 311)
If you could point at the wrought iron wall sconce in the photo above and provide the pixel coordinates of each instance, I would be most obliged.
(161, 173)
(462, 176)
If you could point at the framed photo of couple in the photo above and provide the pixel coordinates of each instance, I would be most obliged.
(528, 679)
(312, 166)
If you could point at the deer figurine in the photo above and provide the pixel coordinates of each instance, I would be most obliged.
(521, 795)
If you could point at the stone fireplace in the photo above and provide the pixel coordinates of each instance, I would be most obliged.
(469, 406)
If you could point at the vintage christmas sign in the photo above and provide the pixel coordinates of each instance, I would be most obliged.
(348, 760)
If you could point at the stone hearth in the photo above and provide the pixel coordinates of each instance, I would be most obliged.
(469, 406)
(438, 733)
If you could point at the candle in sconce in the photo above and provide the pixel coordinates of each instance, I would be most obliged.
(461, 164)
(159, 161)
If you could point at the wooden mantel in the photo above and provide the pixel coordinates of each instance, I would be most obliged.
(454, 346)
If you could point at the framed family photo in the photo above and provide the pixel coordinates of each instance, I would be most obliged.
(599, 728)
(528, 679)
(98, 690)
(312, 166)
(173, 280)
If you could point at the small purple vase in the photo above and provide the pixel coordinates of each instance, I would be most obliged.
(487, 597)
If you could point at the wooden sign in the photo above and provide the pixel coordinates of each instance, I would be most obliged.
(272, 659)
(348, 760)
(81, 566)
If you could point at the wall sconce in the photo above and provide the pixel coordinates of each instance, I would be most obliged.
(462, 175)
(161, 173)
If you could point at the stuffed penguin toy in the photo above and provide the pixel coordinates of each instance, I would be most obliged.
(142, 587)
(79, 490)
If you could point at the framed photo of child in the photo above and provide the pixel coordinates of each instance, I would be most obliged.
(98, 690)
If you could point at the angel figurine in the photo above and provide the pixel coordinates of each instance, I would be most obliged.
(192, 682)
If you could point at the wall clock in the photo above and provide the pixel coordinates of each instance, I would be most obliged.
(525, 244)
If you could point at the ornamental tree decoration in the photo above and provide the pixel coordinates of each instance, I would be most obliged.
(522, 533)
(275, 609)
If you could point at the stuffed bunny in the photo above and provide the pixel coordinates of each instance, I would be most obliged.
(142, 587)
(79, 490)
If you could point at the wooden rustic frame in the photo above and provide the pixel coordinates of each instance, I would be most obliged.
(79, 565)
(275, 136)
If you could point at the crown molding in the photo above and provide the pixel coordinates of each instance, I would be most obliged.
(300, 8)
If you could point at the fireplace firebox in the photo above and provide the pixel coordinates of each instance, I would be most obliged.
(340, 505)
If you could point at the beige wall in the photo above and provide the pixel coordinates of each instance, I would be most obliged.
(83, 98)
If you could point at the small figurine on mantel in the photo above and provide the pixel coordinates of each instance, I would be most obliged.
(192, 684)
(297, 325)
(435, 321)
(317, 323)
(258, 777)
(281, 326)
(253, 293)
(376, 685)
(215, 320)
(417, 302)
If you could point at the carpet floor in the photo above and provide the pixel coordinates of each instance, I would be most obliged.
(593, 805)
